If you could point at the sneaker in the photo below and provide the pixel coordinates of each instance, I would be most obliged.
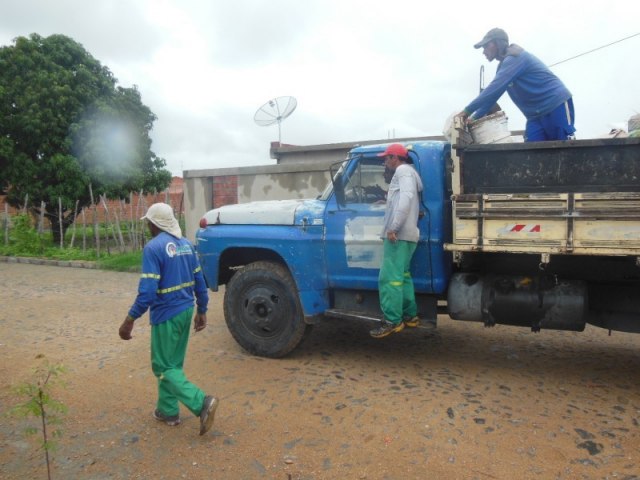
(207, 413)
(411, 321)
(171, 420)
(386, 328)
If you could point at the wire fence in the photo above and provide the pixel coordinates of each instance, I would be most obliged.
(106, 226)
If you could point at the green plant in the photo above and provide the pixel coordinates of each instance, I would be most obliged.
(124, 262)
(40, 404)
(23, 237)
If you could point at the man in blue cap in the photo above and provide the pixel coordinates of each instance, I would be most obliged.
(539, 94)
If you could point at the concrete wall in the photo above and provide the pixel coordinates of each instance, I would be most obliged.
(212, 188)
(302, 172)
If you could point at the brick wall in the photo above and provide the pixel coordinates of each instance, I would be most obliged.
(225, 190)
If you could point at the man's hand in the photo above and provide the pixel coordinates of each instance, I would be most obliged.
(126, 328)
(464, 117)
(199, 321)
(391, 236)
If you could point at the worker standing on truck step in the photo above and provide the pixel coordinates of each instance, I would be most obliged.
(171, 276)
(400, 236)
(538, 93)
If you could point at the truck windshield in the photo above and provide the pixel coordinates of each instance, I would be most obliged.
(364, 180)
(366, 183)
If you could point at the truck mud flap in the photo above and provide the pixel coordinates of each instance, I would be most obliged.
(615, 307)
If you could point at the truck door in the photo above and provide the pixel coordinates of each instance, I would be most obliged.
(352, 231)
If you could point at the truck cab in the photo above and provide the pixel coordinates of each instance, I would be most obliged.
(288, 263)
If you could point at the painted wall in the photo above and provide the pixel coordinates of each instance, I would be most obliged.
(212, 188)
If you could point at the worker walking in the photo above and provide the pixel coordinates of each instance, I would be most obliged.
(171, 275)
(541, 96)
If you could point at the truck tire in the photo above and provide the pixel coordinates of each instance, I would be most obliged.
(262, 310)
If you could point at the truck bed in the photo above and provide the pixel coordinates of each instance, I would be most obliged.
(598, 165)
(579, 197)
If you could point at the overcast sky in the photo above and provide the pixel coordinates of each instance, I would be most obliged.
(359, 69)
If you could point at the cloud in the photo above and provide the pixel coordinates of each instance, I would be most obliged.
(360, 70)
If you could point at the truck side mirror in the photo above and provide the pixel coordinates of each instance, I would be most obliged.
(337, 180)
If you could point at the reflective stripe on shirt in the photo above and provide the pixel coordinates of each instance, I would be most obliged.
(177, 287)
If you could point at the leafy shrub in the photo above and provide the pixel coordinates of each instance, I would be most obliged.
(23, 238)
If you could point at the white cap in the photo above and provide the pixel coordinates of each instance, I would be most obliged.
(161, 215)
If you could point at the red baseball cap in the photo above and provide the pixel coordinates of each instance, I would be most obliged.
(395, 149)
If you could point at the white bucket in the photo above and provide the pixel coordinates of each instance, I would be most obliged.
(493, 128)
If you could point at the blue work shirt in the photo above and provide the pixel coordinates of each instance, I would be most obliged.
(534, 89)
(171, 275)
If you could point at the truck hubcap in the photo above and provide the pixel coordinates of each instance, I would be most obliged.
(262, 311)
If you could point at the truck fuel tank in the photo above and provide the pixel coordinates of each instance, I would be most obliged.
(536, 302)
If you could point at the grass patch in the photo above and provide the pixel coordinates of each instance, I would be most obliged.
(48, 252)
(122, 262)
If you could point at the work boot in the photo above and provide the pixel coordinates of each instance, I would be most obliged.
(411, 321)
(171, 420)
(386, 328)
(207, 413)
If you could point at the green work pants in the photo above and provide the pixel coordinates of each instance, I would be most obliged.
(168, 348)
(395, 286)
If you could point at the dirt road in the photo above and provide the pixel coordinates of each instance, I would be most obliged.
(463, 403)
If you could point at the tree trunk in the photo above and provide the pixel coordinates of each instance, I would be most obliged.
(58, 227)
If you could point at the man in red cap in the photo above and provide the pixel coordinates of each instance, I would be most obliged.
(400, 237)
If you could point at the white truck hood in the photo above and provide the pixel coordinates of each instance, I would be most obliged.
(273, 212)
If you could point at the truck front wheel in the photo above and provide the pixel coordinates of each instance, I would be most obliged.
(262, 310)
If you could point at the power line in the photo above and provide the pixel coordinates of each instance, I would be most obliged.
(596, 49)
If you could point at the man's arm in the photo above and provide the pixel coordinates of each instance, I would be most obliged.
(147, 292)
(202, 295)
(506, 73)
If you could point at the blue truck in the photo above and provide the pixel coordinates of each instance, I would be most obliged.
(541, 235)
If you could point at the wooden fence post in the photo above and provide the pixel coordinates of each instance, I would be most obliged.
(141, 232)
(95, 222)
(84, 232)
(75, 217)
(119, 231)
(41, 218)
(109, 226)
(60, 220)
(6, 224)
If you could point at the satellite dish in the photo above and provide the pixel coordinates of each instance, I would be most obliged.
(275, 111)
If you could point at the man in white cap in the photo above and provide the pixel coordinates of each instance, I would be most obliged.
(537, 92)
(171, 276)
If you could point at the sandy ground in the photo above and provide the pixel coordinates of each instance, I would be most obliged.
(463, 403)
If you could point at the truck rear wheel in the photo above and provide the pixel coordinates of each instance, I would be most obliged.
(262, 310)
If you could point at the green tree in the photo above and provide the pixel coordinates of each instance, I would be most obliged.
(66, 125)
